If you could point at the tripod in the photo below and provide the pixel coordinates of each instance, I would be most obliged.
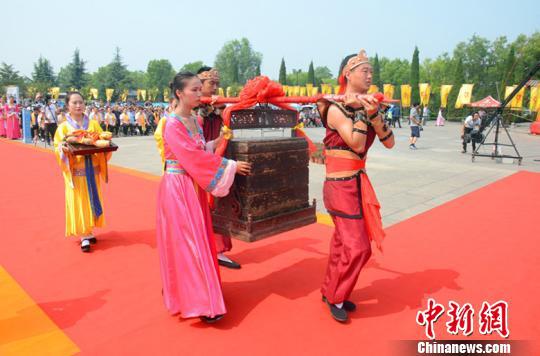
(497, 123)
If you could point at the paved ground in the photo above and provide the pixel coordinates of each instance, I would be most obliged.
(407, 182)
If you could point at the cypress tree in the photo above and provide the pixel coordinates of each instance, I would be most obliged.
(311, 74)
(283, 72)
(415, 77)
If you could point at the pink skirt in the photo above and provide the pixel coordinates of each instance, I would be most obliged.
(187, 253)
(2, 127)
(13, 131)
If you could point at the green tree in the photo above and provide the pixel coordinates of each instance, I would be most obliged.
(237, 62)
(478, 61)
(73, 75)
(324, 75)
(509, 66)
(395, 71)
(415, 77)
(118, 74)
(192, 67)
(258, 71)
(159, 73)
(43, 75)
(297, 77)
(137, 79)
(283, 72)
(311, 74)
(377, 72)
(457, 80)
(10, 76)
(114, 75)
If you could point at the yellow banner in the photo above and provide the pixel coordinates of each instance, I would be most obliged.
(314, 90)
(517, 100)
(296, 90)
(221, 92)
(138, 94)
(373, 89)
(464, 96)
(109, 93)
(336, 89)
(94, 92)
(303, 91)
(534, 103)
(285, 89)
(55, 92)
(406, 95)
(425, 91)
(228, 92)
(388, 90)
(309, 87)
(143, 94)
(125, 95)
(167, 92)
(326, 89)
(445, 91)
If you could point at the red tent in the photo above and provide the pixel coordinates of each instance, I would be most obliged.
(487, 102)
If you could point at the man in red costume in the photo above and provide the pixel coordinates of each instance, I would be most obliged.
(212, 122)
(351, 128)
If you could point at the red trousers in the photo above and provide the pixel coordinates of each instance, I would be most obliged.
(350, 247)
(223, 243)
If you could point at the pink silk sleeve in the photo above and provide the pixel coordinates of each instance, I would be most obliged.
(206, 168)
(224, 184)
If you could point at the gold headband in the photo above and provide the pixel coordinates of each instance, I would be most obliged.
(353, 62)
(209, 74)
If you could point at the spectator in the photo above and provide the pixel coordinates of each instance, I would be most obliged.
(416, 124)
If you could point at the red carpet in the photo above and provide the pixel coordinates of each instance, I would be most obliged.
(482, 246)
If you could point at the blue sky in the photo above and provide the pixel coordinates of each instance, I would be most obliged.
(300, 31)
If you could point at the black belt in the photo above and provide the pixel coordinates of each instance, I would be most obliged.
(341, 179)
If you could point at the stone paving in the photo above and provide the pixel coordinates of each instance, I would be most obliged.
(407, 182)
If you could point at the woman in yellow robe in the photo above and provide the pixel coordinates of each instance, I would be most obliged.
(82, 175)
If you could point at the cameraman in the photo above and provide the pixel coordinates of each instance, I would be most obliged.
(471, 131)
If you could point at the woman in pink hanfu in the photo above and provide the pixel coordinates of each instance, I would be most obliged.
(11, 112)
(189, 268)
(2, 118)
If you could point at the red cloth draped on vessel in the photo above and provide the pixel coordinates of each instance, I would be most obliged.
(258, 90)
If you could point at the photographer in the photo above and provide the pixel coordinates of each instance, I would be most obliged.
(470, 132)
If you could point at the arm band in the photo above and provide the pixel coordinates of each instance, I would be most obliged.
(386, 137)
(363, 132)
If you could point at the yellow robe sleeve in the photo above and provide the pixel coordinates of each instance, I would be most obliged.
(64, 159)
(158, 135)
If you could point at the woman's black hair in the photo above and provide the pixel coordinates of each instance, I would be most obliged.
(70, 94)
(179, 82)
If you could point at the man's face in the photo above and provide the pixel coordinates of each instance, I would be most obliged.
(360, 77)
(209, 87)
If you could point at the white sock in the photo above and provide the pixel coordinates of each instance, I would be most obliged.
(86, 237)
(222, 257)
(339, 305)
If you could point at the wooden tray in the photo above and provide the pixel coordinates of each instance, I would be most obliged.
(79, 149)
